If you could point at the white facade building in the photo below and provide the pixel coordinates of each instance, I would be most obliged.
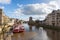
(53, 18)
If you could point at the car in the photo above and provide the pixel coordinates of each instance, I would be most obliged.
(18, 29)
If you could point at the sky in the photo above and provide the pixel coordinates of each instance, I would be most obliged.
(23, 9)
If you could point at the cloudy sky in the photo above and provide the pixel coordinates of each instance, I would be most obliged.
(23, 9)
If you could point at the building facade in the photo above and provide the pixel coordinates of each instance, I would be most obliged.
(53, 18)
(3, 18)
(11, 21)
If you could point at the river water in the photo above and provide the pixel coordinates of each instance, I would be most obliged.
(27, 27)
(41, 33)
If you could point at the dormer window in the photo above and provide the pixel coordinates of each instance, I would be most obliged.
(53, 11)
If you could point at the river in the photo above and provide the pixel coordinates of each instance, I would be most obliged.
(40, 34)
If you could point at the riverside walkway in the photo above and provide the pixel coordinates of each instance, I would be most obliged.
(19, 36)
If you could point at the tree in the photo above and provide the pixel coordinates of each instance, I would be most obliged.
(37, 24)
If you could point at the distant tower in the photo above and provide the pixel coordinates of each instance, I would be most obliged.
(30, 23)
(30, 18)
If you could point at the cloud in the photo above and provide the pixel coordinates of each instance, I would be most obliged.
(38, 9)
(5, 1)
(1, 7)
(40, 17)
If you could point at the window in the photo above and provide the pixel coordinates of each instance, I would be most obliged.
(59, 20)
(53, 21)
(53, 13)
(53, 24)
(57, 23)
(58, 13)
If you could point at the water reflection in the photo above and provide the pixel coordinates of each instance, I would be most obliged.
(27, 27)
(41, 33)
